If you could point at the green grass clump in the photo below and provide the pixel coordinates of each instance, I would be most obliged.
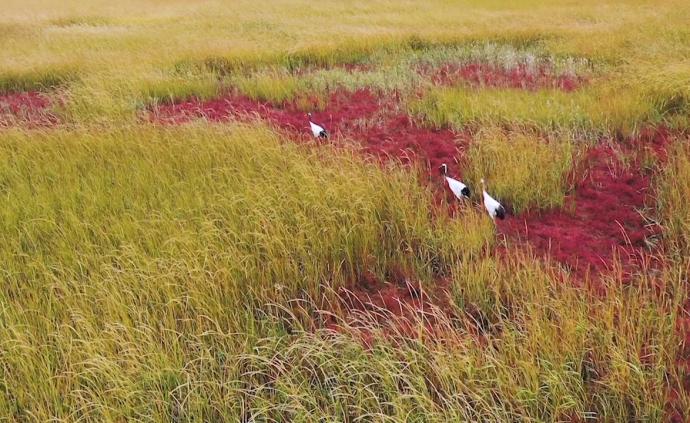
(668, 88)
(385, 67)
(171, 89)
(274, 215)
(384, 79)
(508, 54)
(37, 79)
(402, 70)
(594, 110)
(275, 88)
(527, 172)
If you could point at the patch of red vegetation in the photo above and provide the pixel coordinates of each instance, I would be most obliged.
(30, 108)
(602, 219)
(401, 307)
(342, 107)
(652, 142)
(380, 129)
(396, 296)
(521, 76)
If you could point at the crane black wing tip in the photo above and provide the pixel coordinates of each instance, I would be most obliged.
(501, 213)
(323, 134)
(466, 192)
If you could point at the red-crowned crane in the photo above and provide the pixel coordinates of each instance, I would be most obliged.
(317, 130)
(492, 206)
(459, 189)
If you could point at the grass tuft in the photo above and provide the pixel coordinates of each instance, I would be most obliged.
(527, 172)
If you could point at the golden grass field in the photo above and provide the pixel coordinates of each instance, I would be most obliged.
(164, 257)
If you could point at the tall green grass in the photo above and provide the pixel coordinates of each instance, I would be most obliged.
(37, 79)
(600, 109)
(526, 171)
(158, 190)
(274, 87)
(546, 352)
(392, 67)
(556, 352)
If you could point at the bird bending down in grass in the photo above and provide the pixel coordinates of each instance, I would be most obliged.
(459, 189)
(494, 208)
(317, 130)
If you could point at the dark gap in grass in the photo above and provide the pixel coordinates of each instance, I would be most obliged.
(81, 21)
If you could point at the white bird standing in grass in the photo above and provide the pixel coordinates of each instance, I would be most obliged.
(494, 208)
(317, 130)
(459, 189)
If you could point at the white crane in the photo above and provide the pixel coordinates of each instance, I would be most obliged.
(317, 130)
(459, 189)
(492, 206)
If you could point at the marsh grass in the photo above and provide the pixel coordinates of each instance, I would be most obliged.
(240, 182)
(526, 171)
(614, 344)
(390, 68)
(597, 110)
(273, 87)
(47, 45)
(181, 274)
(129, 252)
(204, 87)
(550, 351)
(673, 190)
(39, 79)
(176, 273)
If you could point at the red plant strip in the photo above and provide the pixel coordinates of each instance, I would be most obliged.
(521, 76)
(30, 108)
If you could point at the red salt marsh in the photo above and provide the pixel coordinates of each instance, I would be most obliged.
(383, 130)
(31, 108)
(521, 76)
(603, 218)
(602, 221)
